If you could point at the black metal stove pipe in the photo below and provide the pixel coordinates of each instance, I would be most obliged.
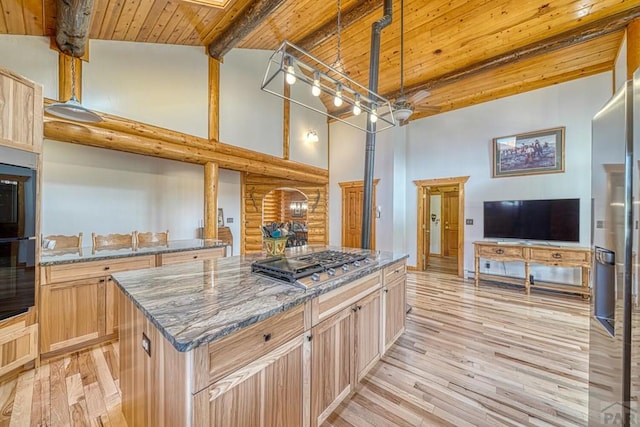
(370, 149)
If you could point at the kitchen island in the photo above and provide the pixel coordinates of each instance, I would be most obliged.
(77, 299)
(211, 343)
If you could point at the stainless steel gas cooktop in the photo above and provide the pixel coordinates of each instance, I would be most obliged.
(313, 268)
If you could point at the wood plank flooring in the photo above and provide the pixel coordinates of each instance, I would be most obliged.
(486, 357)
(442, 264)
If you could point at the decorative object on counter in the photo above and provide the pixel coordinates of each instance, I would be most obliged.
(220, 217)
(529, 153)
(72, 109)
(112, 241)
(225, 236)
(275, 246)
(151, 239)
(61, 241)
(291, 64)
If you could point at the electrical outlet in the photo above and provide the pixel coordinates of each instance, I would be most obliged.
(469, 221)
(531, 279)
(146, 344)
(487, 265)
(229, 220)
(599, 224)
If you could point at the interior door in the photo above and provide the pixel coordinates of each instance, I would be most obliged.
(352, 196)
(426, 226)
(450, 219)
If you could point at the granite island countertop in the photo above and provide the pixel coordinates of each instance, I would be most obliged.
(69, 256)
(199, 302)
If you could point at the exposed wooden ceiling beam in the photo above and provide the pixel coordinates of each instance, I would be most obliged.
(72, 28)
(581, 34)
(358, 11)
(246, 22)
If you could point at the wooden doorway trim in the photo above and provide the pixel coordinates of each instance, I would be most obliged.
(355, 184)
(421, 184)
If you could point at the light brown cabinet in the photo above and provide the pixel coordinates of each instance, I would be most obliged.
(18, 342)
(20, 112)
(394, 300)
(189, 256)
(267, 392)
(367, 327)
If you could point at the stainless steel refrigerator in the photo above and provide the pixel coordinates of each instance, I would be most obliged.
(614, 336)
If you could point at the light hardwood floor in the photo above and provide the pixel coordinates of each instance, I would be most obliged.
(486, 357)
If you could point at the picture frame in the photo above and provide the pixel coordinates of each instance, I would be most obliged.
(220, 218)
(529, 153)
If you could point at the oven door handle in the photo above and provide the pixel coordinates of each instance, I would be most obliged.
(15, 239)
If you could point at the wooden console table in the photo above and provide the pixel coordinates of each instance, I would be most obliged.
(556, 256)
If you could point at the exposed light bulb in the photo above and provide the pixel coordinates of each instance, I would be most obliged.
(315, 89)
(356, 107)
(337, 101)
(291, 75)
(374, 114)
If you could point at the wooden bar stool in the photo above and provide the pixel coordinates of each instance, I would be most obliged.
(151, 239)
(112, 241)
(61, 241)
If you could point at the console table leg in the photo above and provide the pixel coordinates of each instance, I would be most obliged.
(476, 274)
(527, 272)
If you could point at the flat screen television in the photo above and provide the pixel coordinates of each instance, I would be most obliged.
(551, 220)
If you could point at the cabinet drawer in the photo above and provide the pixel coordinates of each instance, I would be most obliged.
(83, 270)
(560, 256)
(226, 355)
(501, 252)
(394, 272)
(332, 302)
(187, 256)
(18, 345)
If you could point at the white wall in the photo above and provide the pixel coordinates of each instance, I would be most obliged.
(91, 189)
(160, 84)
(32, 58)
(252, 118)
(229, 201)
(458, 143)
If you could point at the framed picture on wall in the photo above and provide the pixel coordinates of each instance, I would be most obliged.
(220, 218)
(529, 153)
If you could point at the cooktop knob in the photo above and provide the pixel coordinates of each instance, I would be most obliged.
(331, 271)
(356, 263)
(345, 267)
(367, 260)
(315, 277)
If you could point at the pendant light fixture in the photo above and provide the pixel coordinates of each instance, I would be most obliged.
(72, 109)
(402, 108)
(309, 78)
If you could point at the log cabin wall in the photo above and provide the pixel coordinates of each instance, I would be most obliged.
(254, 190)
(271, 207)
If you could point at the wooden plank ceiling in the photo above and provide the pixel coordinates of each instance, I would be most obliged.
(463, 52)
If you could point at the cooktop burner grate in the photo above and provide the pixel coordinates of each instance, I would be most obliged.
(292, 269)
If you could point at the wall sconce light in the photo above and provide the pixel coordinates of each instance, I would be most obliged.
(298, 206)
(298, 67)
(312, 136)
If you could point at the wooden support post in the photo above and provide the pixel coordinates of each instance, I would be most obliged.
(211, 169)
(633, 47)
(286, 128)
(211, 201)
(65, 77)
(214, 99)
(72, 25)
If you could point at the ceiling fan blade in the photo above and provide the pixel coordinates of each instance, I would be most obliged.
(418, 96)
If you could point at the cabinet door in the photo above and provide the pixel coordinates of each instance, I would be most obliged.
(331, 356)
(395, 311)
(367, 333)
(72, 313)
(20, 112)
(18, 345)
(110, 308)
(265, 393)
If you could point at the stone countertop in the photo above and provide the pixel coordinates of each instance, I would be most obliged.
(198, 302)
(69, 256)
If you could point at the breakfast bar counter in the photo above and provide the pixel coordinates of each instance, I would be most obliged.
(209, 332)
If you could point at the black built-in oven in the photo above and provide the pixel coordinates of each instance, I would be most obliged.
(18, 187)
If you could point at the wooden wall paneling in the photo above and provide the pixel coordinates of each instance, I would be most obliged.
(256, 187)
